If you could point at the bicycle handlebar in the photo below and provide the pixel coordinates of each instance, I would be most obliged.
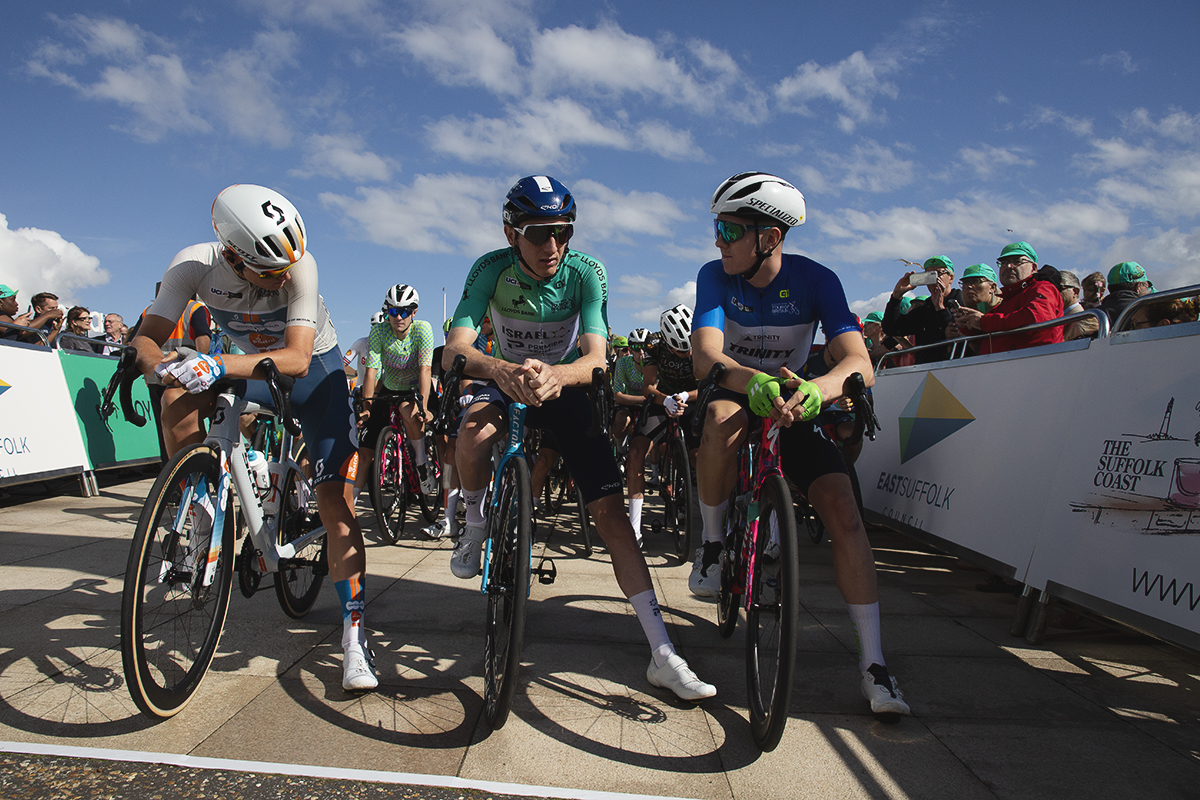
(449, 405)
(600, 393)
(865, 420)
(280, 386)
(123, 377)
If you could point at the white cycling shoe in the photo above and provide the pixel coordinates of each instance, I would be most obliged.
(438, 530)
(467, 555)
(705, 580)
(677, 676)
(358, 669)
(880, 689)
(429, 481)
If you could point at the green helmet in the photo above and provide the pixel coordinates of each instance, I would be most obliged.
(446, 326)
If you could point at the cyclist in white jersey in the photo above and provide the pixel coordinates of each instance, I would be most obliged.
(756, 312)
(260, 283)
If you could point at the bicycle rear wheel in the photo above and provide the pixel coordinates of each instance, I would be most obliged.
(507, 589)
(679, 501)
(389, 494)
(773, 617)
(812, 521)
(170, 620)
(299, 580)
(585, 523)
(430, 503)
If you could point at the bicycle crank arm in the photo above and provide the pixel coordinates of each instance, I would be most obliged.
(289, 550)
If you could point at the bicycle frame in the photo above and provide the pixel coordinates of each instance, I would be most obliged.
(514, 445)
(758, 462)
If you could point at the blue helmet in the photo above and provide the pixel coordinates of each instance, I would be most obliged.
(538, 196)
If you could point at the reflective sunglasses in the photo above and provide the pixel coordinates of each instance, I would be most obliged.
(538, 235)
(729, 232)
(237, 262)
(402, 313)
(637, 347)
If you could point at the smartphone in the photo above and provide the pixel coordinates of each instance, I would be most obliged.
(923, 278)
(891, 342)
(952, 304)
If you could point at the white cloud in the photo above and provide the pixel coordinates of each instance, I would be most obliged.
(1178, 124)
(986, 159)
(853, 84)
(534, 135)
(685, 294)
(693, 256)
(450, 213)
(638, 286)
(34, 260)
(867, 167)
(876, 303)
(464, 55)
(343, 156)
(1120, 59)
(607, 215)
(1042, 115)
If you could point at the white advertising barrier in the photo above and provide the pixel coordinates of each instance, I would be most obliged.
(1073, 468)
(39, 435)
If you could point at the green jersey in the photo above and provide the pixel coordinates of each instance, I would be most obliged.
(536, 319)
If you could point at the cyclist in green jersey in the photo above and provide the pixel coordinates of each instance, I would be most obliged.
(541, 296)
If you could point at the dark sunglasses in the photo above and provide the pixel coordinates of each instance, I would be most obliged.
(538, 235)
(730, 232)
(402, 313)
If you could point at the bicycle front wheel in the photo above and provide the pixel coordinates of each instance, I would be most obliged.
(430, 503)
(729, 596)
(773, 616)
(389, 495)
(507, 589)
(299, 579)
(679, 503)
(177, 584)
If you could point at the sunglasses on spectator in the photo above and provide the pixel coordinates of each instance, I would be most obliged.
(402, 313)
(729, 232)
(1013, 261)
(974, 281)
(538, 235)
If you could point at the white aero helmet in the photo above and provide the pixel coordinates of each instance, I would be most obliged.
(401, 296)
(378, 317)
(676, 327)
(760, 193)
(260, 226)
(638, 336)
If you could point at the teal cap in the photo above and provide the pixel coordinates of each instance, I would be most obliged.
(940, 262)
(875, 316)
(1125, 272)
(1019, 249)
(5, 291)
(905, 304)
(981, 271)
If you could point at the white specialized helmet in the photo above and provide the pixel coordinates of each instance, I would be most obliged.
(638, 336)
(762, 194)
(401, 296)
(259, 225)
(675, 324)
(378, 317)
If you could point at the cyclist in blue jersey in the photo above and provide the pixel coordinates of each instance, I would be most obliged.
(543, 298)
(757, 311)
(260, 283)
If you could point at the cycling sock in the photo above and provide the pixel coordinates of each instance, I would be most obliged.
(645, 605)
(419, 454)
(864, 621)
(350, 596)
(711, 516)
(635, 515)
(452, 503)
(474, 501)
(447, 480)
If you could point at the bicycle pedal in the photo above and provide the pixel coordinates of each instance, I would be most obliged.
(547, 572)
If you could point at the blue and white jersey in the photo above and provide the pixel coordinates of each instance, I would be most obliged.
(775, 326)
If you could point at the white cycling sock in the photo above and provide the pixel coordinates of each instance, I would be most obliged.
(635, 516)
(864, 621)
(452, 503)
(419, 454)
(474, 501)
(645, 605)
(712, 518)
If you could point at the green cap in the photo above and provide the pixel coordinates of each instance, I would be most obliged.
(5, 291)
(940, 262)
(875, 316)
(1019, 249)
(981, 271)
(620, 341)
(1125, 272)
(905, 304)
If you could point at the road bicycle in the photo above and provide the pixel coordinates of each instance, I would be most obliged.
(558, 488)
(508, 549)
(675, 487)
(181, 560)
(394, 480)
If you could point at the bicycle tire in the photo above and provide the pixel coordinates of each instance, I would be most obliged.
(679, 503)
(585, 523)
(557, 483)
(430, 504)
(729, 596)
(507, 589)
(812, 521)
(773, 617)
(170, 626)
(297, 584)
(389, 495)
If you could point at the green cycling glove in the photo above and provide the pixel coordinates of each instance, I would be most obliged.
(810, 407)
(762, 391)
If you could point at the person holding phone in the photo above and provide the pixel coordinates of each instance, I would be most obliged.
(925, 322)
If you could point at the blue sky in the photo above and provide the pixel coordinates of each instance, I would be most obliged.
(396, 128)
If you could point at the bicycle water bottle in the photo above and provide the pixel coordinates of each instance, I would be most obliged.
(258, 469)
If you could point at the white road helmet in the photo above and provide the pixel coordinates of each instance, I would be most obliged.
(760, 193)
(260, 226)
(378, 317)
(638, 336)
(401, 296)
(676, 327)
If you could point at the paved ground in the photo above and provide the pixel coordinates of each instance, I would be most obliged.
(1092, 713)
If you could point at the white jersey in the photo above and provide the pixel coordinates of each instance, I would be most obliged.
(253, 318)
(356, 356)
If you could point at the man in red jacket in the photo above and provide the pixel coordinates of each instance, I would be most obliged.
(1027, 300)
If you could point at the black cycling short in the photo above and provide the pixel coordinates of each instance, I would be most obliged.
(658, 413)
(589, 459)
(380, 417)
(805, 452)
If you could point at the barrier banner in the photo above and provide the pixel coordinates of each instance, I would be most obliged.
(1075, 466)
(112, 441)
(38, 437)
